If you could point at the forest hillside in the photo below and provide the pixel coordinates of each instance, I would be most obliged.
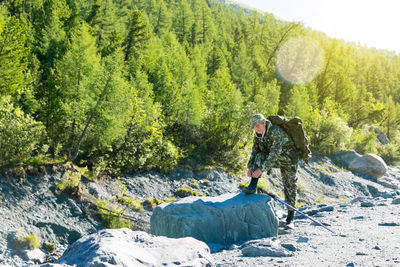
(127, 86)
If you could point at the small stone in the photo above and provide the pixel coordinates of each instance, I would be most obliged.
(389, 224)
(282, 231)
(377, 248)
(386, 195)
(264, 248)
(351, 264)
(358, 199)
(326, 209)
(36, 255)
(343, 235)
(303, 239)
(361, 239)
(361, 254)
(367, 204)
(311, 212)
(358, 218)
(289, 247)
(396, 201)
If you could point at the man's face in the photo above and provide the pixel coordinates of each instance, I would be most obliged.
(259, 128)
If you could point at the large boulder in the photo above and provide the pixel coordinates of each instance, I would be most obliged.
(343, 158)
(124, 247)
(369, 164)
(226, 219)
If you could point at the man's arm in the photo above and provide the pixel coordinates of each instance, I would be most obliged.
(275, 151)
(253, 154)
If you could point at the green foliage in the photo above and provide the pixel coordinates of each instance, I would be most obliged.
(170, 199)
(14, 75)
(50, 246)
(151, 203)
(390, 153)
(206, 182)
(130, 202)
(20, 134)
(122, 86)
(242, 185)
(112, 217)
(327, 130)
(138, 36)
(364, 141)
(22, 241)
(69, 184)
(195, 183)
(185, 191)
(262, 184)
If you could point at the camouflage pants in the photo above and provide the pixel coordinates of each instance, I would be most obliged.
(288, 169)
(289, 180)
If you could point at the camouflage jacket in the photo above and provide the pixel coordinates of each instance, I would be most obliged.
(274, 150)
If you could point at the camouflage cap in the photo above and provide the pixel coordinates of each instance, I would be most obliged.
(256, 119)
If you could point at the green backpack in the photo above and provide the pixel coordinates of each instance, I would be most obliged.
(294, 128)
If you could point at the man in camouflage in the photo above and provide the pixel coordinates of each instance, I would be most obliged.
(273, 148)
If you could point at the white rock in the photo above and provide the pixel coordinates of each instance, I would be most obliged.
(344, 157)
(35, 255)
(264, 248)
(225, 219)
(124, 247)
(369, 164)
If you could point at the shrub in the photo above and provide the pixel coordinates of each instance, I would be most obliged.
(184, 192)
(206, 182)
(70, 184)
(20, 134)
(364, 141)
(50, 246)
(262, 185)
(390, 153)
(150, 203)
(242, 185)
(23, 241)
(112, 217)
(326, 130)
(130, 202)
(170, 199)
(195, 183)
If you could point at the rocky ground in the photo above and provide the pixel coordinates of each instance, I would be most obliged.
(365, 235)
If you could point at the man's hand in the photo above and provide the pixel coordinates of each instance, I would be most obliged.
(257, 173)
(250, 172)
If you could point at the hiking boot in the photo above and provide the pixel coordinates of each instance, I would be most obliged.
(281, 224)
(289, 226)
(290, 217)
(252, 187)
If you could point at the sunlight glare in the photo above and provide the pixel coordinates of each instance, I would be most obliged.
(299, 60)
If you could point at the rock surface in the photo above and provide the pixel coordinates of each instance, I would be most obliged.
(365, 236)
(226, 219)
(343, 158)
(370, 164)
(32, 207)
(123, 247)
(265, 248)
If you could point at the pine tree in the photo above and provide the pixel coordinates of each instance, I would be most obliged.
(13, 56)
(299, 103)
(162, 18)
(138, 36)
